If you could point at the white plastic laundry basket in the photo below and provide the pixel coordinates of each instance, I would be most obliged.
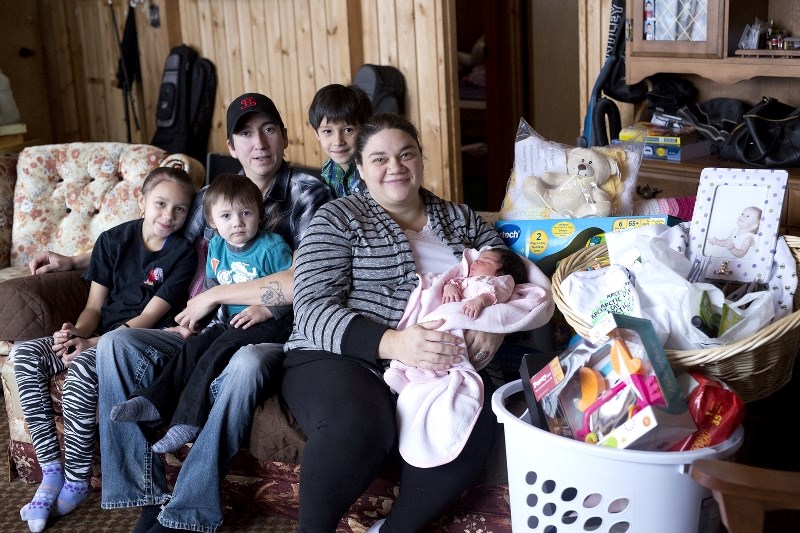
(559, 485)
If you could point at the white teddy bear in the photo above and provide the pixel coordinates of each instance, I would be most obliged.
(577, 193)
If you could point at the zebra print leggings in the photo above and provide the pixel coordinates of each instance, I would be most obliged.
(35, 364)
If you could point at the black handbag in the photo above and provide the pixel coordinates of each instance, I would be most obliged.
(768, 136)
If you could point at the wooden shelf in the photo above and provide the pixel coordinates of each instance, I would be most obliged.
(718, 69)
(729, 70)
(694, 166)
(12, 129)
(12, 137)
(472, 104)
(680, 179)
(768, 53)
(716, 57)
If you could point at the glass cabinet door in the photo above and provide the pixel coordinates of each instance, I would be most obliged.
(676, 28)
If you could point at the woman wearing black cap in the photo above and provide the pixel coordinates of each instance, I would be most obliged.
(132, 474)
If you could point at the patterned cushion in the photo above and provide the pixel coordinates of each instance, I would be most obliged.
(16, 421)
(14, 272)
(8, 177)
(67, 194)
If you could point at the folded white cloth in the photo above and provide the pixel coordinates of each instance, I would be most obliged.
(591, 294)
(623, 251)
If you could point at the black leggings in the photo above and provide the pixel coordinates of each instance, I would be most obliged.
(348, 415)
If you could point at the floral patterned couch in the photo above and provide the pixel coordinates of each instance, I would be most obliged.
(64, 196)
(60, 197)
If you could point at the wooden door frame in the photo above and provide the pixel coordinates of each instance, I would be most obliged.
(506, 88)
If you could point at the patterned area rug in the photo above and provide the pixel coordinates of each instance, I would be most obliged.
(90, 518)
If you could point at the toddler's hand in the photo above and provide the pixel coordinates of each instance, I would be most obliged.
(249, 316)
(181, 331)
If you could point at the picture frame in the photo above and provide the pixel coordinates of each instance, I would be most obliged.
(736, 223)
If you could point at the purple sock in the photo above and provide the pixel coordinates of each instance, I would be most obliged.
(37, 511)
(72, 495)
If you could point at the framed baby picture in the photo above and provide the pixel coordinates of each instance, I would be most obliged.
(735, 224)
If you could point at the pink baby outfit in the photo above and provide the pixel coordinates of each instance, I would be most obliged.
(500, 287)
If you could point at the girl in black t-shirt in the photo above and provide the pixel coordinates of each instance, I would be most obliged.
(140, 273)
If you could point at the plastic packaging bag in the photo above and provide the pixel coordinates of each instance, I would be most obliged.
(715, 408)
(657, 270)
(670, 301)
(753, 310)
(552, 180)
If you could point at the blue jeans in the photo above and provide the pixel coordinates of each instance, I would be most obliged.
(133, 475)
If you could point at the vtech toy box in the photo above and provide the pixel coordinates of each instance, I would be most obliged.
(547, 241)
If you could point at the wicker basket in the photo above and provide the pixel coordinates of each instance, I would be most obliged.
(754, 367)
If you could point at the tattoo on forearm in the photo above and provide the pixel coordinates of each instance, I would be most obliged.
(273, 294)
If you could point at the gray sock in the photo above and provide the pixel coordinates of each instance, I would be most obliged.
(137, 409)
(177, 436)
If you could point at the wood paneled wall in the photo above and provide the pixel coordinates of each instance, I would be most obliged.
(79, 46)
(286, 49)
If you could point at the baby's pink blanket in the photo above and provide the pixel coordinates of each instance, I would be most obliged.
(436, 410)
(530, 306)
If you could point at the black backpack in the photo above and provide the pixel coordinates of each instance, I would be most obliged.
(384, 85)
(185, 103)
(602, 122)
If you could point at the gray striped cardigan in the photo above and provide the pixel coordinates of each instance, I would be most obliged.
(355, 271)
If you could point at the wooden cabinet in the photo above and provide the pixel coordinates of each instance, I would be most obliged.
(711, 59)
(718, 26)
(676, 28)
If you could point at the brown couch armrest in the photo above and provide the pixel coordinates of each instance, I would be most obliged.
(36, 306)
(8, 178)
